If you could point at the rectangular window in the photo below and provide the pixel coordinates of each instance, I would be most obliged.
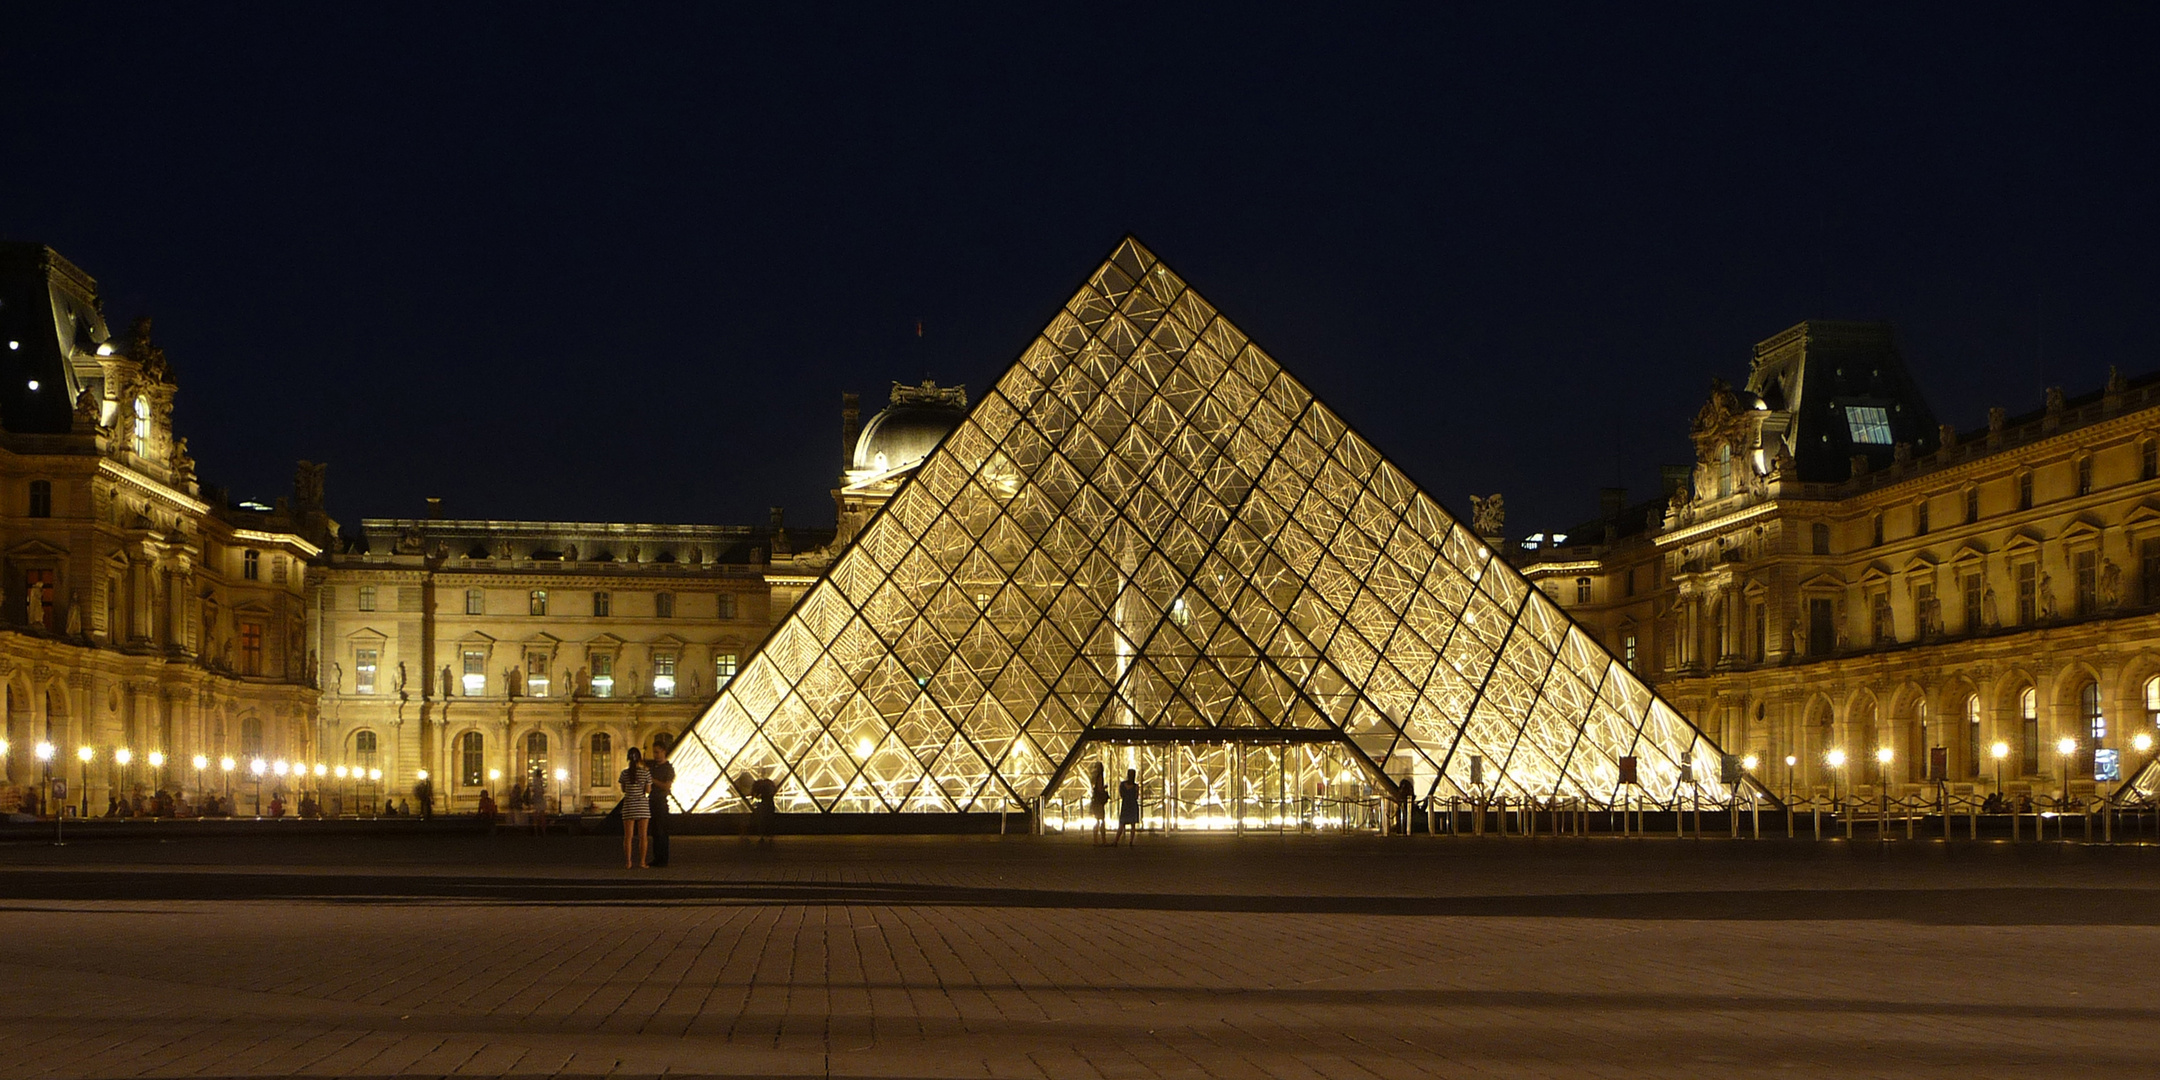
(536, 674)
(663, 674)
(1972, 505)
(367, 597)
(2086, 566)
(2084, 476)
(364, 664)
(1631, 581)
(1582, 590)
(603, 674)
(723, 669)
(603, 760)
(473, 759)
(475, 674)
(602, 604)
(1819, 538)
(663, 605)
(251, 649)
(1974, 589)
(1822, 626)
(41, 498)
(1885, 629)
(2148, 459)
(727, 605)
(41, 597)
(536, 603)
(251, 565)
(1869, 424)
(475, 602)
(2028, 594)
(2029, 751)
(1762, 632)
(2024, 491)
(1878, 530)
(1627, 651)
(2149, 568)
(1920, 519)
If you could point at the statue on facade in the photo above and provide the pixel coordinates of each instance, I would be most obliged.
(447, 681)
(2110, 584)
(1931, 617)
(74, 615)
(411, 540)
(86, 412)
(1797, 635)
(337, 677)
(570, 553)
(1488, 516)
(35, 615)
(514, 681)
(2047, 596)
(308, 484)
(1990, 618)
(1844, 636)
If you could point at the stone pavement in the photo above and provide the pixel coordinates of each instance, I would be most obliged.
(1193, 956)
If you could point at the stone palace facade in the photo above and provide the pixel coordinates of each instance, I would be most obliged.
(1840, 573)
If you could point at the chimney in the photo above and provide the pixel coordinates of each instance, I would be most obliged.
(850, 429)
(434, 508)
(1611, 500)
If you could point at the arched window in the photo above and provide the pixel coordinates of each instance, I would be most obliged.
(1972, 734)
(472, 759)
(363, 745)
(142, 425)
(603, 760)
(251, 737)
(2029, 731)
(2094, 723)
(536, 755)
(2152, 701)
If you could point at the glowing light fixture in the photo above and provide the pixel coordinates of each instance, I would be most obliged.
(1999, 751)
(1883, 755)
(225, 764)
(33, 384)
(84, 754)
(200, 763)
(1749, 762)
(157, 759)
(1836, 758)
(123, 755)
(44, 751)
(2141, 743)
(2066, 746)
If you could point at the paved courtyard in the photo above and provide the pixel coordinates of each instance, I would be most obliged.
(1196, 956)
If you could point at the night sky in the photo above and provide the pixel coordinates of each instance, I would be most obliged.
(605, 262)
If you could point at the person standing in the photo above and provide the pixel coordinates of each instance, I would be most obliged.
(1099, 802)
(764, 793)
(636, 784)
(663, 782)
(1128, 808)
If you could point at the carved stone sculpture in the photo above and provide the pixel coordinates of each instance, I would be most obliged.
(1990, 618)
(2110, 583)
(1488, 516)
(2047, 595)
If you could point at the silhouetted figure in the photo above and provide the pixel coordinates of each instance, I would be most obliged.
(1128, 808)
(663, 781)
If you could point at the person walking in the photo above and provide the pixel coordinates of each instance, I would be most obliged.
(636, 784)
(1099, 802)
(663, 781)
(1128, 808)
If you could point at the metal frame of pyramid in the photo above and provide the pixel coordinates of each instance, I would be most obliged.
(1148, 531)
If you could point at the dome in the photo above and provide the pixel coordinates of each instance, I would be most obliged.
(905, 432)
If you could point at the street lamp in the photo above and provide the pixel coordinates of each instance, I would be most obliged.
(258, 767)
(562, 777)
(1790, 761)
(2065, 747)
(1882, 786)
(157, 762)
(84, 754)
(225, 765)
(374, 780)
(123, 757)
(2141, 742)
(45, 758)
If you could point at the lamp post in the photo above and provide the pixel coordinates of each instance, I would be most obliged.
(45, 757)
(84, 754)
(1836, 760)
(562, 777)
(1882, 785)
(157, 764)
(1790, 761)
(201, 762)
(2064, 747)
(122, 758)
(374, 781)
(225, 765)
(257, 768)
(426, 791)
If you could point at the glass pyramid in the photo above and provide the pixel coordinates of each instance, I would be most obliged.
(1149, 546)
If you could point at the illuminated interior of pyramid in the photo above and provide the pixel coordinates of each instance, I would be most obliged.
(1148, 546)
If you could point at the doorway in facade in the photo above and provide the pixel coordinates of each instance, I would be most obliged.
(1261, 781)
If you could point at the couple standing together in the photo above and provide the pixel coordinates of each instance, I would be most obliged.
(645, 787)
(1128, 813)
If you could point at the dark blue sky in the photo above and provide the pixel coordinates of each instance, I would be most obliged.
(613, 263)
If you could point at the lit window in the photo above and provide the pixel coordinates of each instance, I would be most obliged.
(536, 674)
(2089, 712)
(475, 675)
(475, 602)
(603, 674)
(663, 605)
(602, 603)
(364, 664)
(724, 669)
(603, 760)
(1972, 734)
(1869, 423)
(40, 498)
(536, 604)
(142, 425)
(251, 565)
(663, 674)
(1627, 649)
(367, 597)
(2152, 701)
(251, 649)
(472, 759)
(2029, 731)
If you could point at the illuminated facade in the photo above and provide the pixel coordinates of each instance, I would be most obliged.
(1838, 572)
(145, 619)
(1149, 547)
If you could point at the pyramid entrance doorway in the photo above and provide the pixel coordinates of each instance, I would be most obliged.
(1149, 542)
(1253, 781)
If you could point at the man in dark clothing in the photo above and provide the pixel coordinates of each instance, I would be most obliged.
(663, 781)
